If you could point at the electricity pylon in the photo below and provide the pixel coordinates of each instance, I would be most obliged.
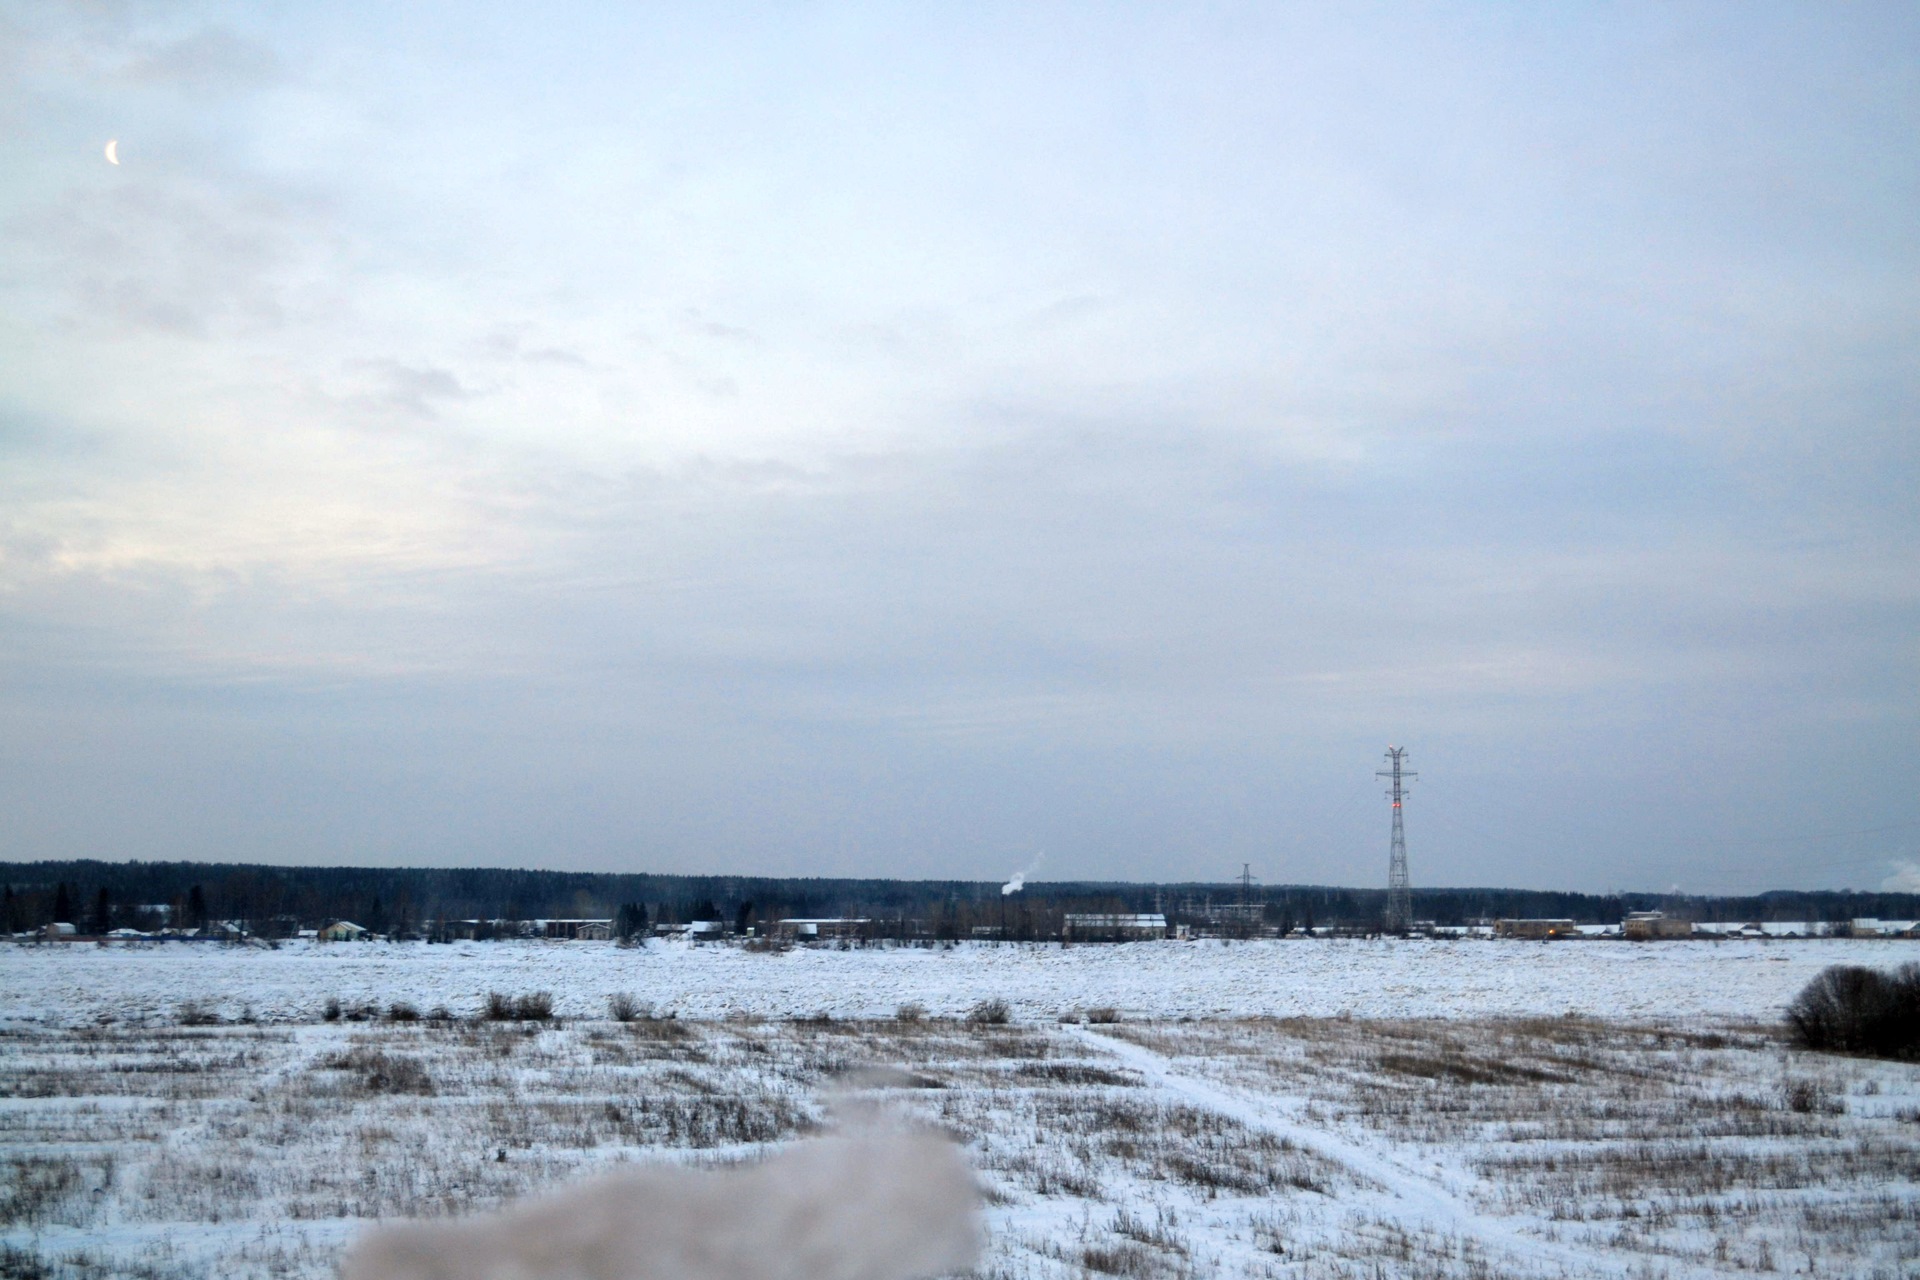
(1399, 892)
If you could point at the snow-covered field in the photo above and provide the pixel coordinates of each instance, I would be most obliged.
(1300, 977)
(1309, 1109)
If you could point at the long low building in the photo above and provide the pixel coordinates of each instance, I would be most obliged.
(1539, 929)
(805, 929)
(1111, 926)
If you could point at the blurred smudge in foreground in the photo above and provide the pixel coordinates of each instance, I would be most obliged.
(879, 1206)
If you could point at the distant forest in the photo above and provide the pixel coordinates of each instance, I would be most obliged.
(274, 901)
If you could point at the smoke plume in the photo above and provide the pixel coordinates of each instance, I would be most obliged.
(883, 1207)
(1019, 879)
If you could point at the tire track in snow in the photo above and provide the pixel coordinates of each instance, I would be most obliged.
(1424, 1201)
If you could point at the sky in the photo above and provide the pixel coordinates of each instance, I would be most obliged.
(945, 440)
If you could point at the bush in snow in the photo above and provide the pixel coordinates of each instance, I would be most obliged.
(192, 1013)
(537, 1007)
(990, 1013)
(1851, 1009)
(375, 1071)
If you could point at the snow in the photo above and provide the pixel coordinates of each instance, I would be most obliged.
(1296, 977)
(253, 1150)
(1414, 1198)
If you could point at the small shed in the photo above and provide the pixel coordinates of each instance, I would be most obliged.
(343, 931)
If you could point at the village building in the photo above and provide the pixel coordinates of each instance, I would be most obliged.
(1646, 926)
(801, 929)
(1538, 930)
(576, 930)
(1114, 926)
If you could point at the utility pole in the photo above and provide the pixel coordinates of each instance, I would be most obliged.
(1246, 883)
(1399, 893)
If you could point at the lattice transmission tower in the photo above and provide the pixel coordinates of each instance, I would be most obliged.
(1399, 892)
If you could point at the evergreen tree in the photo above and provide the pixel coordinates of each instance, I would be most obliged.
(62, 904)
(196, 908)
(102, 921)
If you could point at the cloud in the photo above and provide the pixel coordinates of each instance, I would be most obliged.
(172, 253)
(505, 344)
(209, 61)
(419, 391)
(962, 477)
(1905, 878)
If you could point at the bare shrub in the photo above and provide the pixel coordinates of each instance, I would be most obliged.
(1160, 1232)
(990, 1013)
(660, 1029)
(1071, 1073)
(1122, 1259)
(1810, 1097)
(1852, 1009)
(35, 1186)
(535, 1007)
(331, 1012)
(401, 1011)
(22, 1264)
(1105, 1015)
(192, 1013)
(376, 1071)
(622, 1007)
(910, 1012)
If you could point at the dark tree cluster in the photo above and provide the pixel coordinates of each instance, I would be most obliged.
(1852, 1009)
(423, 901)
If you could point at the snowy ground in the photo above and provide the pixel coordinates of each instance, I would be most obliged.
(1300, 977)
(1297, 1109)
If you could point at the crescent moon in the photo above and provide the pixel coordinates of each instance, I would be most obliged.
(113, 151)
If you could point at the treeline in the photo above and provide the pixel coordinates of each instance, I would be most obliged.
(97, 896)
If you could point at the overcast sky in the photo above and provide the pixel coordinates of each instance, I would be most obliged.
(918, 440)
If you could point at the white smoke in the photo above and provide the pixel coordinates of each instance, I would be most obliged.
(883, 1207)
(1905, 878)
(1019, 880)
